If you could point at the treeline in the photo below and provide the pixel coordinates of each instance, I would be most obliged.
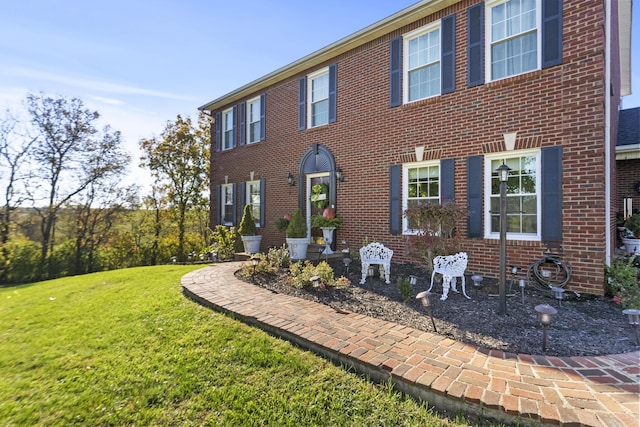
(65, 210)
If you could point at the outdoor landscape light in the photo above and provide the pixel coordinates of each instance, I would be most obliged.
(634, 321)
(514, 271)
(315, 280)
(521, 284)
(477, 280)
(339, 175)
(346, 262)
(254, 260)
(545, 312)
(503, 175)
(558, 292)
(426, 302)
(290, 180)
(413, 280)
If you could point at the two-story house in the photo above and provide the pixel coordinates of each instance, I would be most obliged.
(422, 107)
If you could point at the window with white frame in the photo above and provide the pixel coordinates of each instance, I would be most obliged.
(254, 114)
(253, 200)
(318, 96)
(227, 204)
(523, 195)
(422, 63)
(514, 37)
(228, 121)
(421, 184)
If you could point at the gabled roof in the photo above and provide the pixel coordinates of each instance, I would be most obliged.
(628, 142)
(399, 19)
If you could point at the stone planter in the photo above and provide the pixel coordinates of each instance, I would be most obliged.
(251, 244)
(297, 247)
(327, 235)
(632, 246)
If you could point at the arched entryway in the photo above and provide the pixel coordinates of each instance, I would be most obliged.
(317, 169)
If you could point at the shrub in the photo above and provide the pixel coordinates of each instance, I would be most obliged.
(224, 240)
(405, 288)
(622, 283)
(247, 224)
(633, 224)
(23, 261)
(279, 257)
(297, 228)
(302, 272)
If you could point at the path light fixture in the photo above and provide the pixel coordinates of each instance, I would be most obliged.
(254, 260)
(290, 180)
(559, 294)
(503, 175)
(545, 312)
(426, 302)
(413, 280)
(634, 321)
(521, 285)
(477, 280)
(347, 262)
(315, 280)
(514, 271)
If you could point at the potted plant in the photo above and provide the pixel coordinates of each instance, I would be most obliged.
(632, 240)
(297, 239)
(249, 233)
(327, 222)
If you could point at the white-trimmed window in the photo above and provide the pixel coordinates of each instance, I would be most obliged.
(513, 37)
(318, 97)
(420, 185)
(227, 204)
(422, 54)
(523, 195)
(253, 199)
(228, 122)
(254, 125)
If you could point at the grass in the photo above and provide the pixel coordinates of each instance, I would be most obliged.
(126, 348)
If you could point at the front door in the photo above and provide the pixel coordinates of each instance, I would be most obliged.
(317, 199)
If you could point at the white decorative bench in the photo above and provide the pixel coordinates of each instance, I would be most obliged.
(450, 267)
(376, 253)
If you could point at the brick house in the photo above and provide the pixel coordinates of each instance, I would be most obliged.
(628, 159)
(423, 106)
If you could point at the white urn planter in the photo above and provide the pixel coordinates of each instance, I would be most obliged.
(251, 244)
(297, 247)
(632, 246)
(327, 235)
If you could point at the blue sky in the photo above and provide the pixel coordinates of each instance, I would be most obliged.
(141, 63)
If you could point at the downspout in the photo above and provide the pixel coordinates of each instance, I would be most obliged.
(607, 133)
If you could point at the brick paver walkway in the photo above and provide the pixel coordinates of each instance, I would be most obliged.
(531, 390)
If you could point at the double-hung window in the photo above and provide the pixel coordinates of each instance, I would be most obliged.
(422, 63)
(253, 199)
(228, 122)
(318, 98)
(227, 204)
(514, 37)
(421, 184)
(254, 125)
(523, 195)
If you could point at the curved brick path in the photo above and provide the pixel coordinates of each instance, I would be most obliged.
(531, 390)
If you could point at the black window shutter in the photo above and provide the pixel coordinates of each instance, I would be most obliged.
(395, 199)
(448, 47)
(551, 33)
(243, 123)
(475, 45)
(219, 204)
(263, 202)
(396, 72)
(333, 86)
(447, 190)
(234, 131)
(474, 195)
(242, 196)
(302, 103)
(263, 115)
(218, 131)
(234, 217)
(551, 168)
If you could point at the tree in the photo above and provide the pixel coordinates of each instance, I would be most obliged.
(69, 155)
(179, 161)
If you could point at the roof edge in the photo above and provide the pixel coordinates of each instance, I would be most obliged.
(384, 26)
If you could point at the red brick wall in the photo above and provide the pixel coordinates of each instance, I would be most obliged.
(562, 105)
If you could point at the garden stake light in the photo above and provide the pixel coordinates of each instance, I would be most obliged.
(413, 280)
(426, 302)
(316, 281)
(634, 321)
(559, 293)
(346, 262)
(503, 175)
(254, 260)
(521, 284)
(545, 312)
(514, 271)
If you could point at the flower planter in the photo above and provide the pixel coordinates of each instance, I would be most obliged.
(297, 247)
(251, 244)
(632, 246)
(327, 235)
